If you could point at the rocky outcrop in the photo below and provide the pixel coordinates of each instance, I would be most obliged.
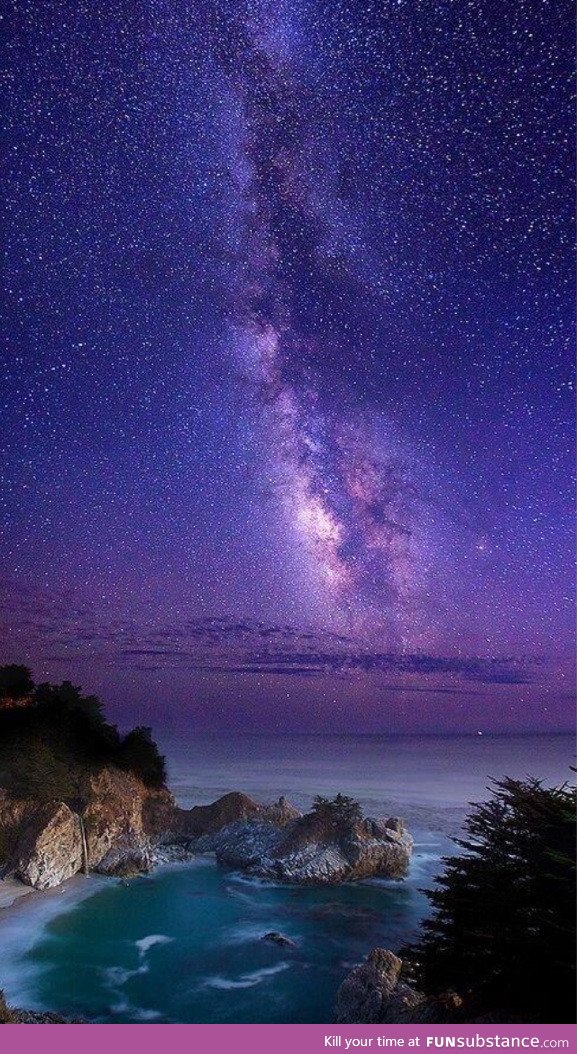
(118, 826)
(304, 852)
(43, 844)
(41, 1017)
(119, 821)
(50, 848)
(10, 1015)
(373, 993)
(278, 938)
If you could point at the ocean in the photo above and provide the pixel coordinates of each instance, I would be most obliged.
(184, 943)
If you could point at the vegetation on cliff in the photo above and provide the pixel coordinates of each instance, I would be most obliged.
(502, 934)
(50, 733)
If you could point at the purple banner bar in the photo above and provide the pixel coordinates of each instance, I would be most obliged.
(283, 1039)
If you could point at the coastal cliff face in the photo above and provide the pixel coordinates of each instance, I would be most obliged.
(118, 826)
(76, 795)
(108, 830)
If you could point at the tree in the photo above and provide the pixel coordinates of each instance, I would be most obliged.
(15, 682)
(139, 754)
(68, 697)
(61, 731)
(503, 929)
(338, 811)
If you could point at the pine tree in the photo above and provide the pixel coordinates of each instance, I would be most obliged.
(503, 928)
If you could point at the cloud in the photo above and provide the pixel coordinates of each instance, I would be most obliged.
(52, 629)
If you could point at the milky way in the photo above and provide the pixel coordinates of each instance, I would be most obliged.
(348, 488)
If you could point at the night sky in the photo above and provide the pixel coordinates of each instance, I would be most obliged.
(287, 420)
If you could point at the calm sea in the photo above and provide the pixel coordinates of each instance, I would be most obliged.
(184, 944)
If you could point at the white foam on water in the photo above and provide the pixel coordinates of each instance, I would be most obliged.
(137, 1013)
(420, 865)
(140, 1014)
(225, 984)
(246, 980)
(116, 976)
(24, 926)
(146, 943)
(253, 880)
(267, 971)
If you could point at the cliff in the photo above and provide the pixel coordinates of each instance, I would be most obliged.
(76, 795)
(109, 829)
(119, 826)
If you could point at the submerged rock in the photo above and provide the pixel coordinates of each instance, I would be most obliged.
(279, 938)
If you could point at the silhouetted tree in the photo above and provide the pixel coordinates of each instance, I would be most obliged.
(61, 730)
(503, 928)
(15, 682)
(139, 754)
(67, 696)
(338, 811)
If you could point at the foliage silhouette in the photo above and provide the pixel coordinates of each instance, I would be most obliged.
(503, 929)
(15, 682)
(47, 744)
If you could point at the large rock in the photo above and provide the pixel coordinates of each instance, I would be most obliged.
(301, 851)
(374, 993)
(205, 819)
(50, 847)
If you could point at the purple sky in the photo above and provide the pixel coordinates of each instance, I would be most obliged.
(287, 430)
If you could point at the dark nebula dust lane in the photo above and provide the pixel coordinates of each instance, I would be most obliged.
(288, 347)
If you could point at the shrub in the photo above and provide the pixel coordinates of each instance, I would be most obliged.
(338, 811)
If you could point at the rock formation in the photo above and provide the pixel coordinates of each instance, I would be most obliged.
(373, 993)
(376, 993)
(50, 848)
(278, 938)
(304, 852)
(118, 826)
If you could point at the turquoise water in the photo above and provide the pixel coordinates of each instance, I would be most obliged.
(185, 943)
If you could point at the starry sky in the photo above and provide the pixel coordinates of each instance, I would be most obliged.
(287, 342)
